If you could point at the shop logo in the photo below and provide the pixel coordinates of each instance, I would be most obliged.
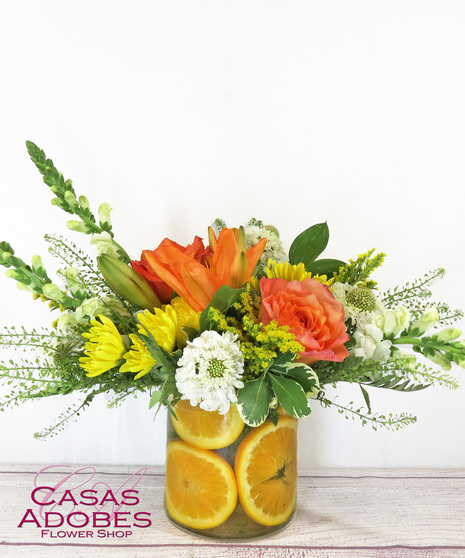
(79, 506)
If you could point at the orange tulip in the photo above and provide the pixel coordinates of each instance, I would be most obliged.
(196, 282)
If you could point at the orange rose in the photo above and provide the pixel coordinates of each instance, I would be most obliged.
(312, 313)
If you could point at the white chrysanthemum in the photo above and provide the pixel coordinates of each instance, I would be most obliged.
(274, 248)
(209, 371)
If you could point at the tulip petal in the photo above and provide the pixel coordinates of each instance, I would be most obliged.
(253, 254)
(212, 238)
(200, 283)
(224, 255)
(238, 273)
(165, 271)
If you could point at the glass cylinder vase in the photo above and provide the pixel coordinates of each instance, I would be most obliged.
(226, 480)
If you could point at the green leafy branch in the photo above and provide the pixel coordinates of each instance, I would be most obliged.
(24, 340)
(71, 414)
(68, 253)
(415, 297)
(390, 422)
(401, 373)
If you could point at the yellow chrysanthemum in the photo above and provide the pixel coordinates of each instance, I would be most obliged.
(138, 358)
(288, 272)
(103, 349)
(161, 324)
(186, 317)
(165, 324)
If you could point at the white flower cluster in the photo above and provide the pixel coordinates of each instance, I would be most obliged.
(209, 371)
(274, 248)
(372, 327)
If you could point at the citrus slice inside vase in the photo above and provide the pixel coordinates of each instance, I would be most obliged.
(206, 429)
(266, 471)
(200, 487)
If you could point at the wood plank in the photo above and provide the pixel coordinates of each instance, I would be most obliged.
(340, 514)
(228, 551)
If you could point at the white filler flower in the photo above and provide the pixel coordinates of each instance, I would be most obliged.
(209, 371)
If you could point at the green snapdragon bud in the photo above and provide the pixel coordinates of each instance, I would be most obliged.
(460, 360)
(447, 335)
(6, 254)
(84, 203)
(71, 200)
(78, 291)
(71, 274)
(23, 281)
(79, 226)
(425, 322)
(38, 267)
(53, 292)
(438, 358)
(60, 203)
(104, 214)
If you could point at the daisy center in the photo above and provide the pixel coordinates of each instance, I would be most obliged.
(216, 368)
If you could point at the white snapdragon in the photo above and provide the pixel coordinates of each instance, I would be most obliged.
(90, 309)
(104, 244)
(370, 343)
(393, 322)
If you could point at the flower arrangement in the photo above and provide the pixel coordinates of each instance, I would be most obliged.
(234, 321)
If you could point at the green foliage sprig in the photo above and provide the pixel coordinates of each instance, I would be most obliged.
(69, 254)
(389, 422)
(357, 271)
(402, 373)
(415, 297)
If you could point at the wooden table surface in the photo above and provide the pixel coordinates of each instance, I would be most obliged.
(341, 514)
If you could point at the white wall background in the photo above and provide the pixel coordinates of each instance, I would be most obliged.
(293, 112)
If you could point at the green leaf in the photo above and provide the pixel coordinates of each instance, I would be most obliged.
(325, 267)
(223, 299)
(156, 397)
(253, 401)
(309, 245)
(191, 332)
(162, 357)
(283, 360)
(367, 398)
(291, 396)
(397, 384)
(304, 376)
